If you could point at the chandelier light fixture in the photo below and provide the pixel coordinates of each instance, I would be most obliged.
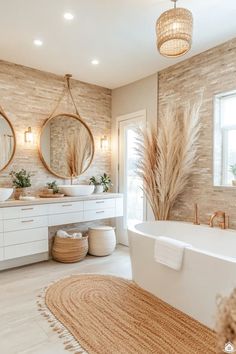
(174, 32)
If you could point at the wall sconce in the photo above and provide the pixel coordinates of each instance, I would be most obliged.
(29, 136)
(104, 143)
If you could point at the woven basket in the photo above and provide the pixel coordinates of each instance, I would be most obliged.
(102, 240)
(69, 250)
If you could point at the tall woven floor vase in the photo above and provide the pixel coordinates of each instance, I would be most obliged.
(102, 240)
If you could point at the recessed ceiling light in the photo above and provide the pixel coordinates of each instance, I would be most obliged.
(68, 16)
(95, 62)
(38, 42)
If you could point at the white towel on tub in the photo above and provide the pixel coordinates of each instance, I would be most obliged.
(170, 252)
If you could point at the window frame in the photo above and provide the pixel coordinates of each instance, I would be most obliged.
(220, 164)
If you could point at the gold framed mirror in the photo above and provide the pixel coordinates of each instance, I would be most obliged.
(7, 141)
(66, 145)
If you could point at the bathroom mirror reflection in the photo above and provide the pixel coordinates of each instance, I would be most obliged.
(7, 141)
(66, 145)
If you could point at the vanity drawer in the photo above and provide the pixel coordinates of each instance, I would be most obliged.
(1, 225)
(90, 215)
(25, 211)
(26, 249)
(67, 207)
(25, 223)
(67, 218)
(1, 254)
(1, 213)
(24, 236)
(99, 204)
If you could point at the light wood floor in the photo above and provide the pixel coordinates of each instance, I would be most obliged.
(22, 329)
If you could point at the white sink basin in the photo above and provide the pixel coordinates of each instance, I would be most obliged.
(77, 190)
(5, 193)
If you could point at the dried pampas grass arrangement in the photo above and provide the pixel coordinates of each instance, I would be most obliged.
(167, 156)
(226, 322)
(79, 151)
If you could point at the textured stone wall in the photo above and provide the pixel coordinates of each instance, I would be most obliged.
(29, 96)
(215, 72)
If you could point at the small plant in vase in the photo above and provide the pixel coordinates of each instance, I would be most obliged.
(105, 182)
(102, 183)
(21, 181)
(98, 187)
(233, 171)
(52, 187)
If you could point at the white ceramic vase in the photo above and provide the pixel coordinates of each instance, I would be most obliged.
(98, 189)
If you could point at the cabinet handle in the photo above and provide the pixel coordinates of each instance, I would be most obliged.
(99, 212)
(24, 221)
(66, 205)
(100, 202)
(23, 209)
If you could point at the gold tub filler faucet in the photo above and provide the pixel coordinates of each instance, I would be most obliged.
(196, 216)
(224, 224)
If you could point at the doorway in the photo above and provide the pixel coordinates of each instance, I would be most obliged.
(129, 184)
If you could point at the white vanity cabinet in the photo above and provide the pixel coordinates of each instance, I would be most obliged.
(25, 231)
(25, 211)
(1, 235)
(87, 210)
(24, 227)
(66, 213)
(99, 209)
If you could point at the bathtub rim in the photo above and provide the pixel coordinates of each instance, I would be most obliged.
(134, 230)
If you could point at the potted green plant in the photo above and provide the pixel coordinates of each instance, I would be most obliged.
(233, 171)
(105, 181)
(98, 186)
(21, 181)
(52, 187)
(102, 183)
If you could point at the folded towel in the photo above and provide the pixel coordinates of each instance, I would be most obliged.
(77, 235)
(62, 234)
(170, 252)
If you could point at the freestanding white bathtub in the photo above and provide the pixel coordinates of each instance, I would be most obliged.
(208, 269)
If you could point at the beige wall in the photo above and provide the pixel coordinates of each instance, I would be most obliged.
(28, 96)
(137, 96)
(215, 72)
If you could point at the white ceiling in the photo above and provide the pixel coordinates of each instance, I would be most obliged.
(120, 33)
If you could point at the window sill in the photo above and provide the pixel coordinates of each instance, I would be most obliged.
(224, 186)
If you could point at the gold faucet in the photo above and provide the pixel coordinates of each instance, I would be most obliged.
(196, 216)
(219, 214)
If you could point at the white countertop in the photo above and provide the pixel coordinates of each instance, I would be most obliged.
(36, 201)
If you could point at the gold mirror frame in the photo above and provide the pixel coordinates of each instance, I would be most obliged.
(3, 114)
(71, 115)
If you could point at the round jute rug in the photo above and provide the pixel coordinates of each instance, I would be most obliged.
(101, 314)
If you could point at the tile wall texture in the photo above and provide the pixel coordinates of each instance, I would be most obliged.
(29, 96)
(213, 71)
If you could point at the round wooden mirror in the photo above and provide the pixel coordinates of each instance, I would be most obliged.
(66, 145)
(7, 141)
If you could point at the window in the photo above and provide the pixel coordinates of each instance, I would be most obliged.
(224, 138)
